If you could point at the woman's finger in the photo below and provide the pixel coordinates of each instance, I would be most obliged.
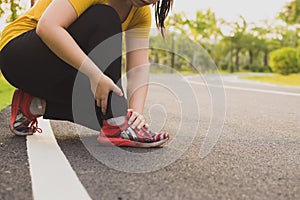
(146, 125)
(141, 124)
(103, 105)
(118, 91)
(137, 121)
(132, 118)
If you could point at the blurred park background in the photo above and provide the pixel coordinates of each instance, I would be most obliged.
(269, 46)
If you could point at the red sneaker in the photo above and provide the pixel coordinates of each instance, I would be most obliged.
(22, 121)
(125, 136)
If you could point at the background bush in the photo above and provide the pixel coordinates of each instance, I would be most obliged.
(298, 56)
(284, 61)
(255, 68)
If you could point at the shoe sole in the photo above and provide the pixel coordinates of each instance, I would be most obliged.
(106, 141)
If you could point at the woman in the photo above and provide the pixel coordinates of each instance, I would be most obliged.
(43, 51)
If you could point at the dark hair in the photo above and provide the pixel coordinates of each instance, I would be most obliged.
(162, 9)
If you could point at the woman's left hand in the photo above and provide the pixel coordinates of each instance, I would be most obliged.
(137, 120)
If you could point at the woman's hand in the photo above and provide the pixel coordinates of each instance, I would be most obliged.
(101, 88)
(137, 120)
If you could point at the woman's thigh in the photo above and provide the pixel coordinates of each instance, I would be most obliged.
(27, 63)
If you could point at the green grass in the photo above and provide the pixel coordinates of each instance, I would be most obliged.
(290, 80)
(6, 92)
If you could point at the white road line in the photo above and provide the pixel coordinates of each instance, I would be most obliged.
(51, 174)
(246, 89)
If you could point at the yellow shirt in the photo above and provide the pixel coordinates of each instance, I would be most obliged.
(138, 19)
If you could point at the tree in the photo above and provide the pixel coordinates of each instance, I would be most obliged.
(204, 27)
(252, 45)
(269, 38)
(291, 13)
(235, 41)
(161, 51)
(177, 22)
(291, 16)
(203, 30)
(13, 7)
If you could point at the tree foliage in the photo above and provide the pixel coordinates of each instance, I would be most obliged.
(247, 47)
(291, 13)
(11, 6)
(284, 61)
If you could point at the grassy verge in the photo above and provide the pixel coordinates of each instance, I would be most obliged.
(290, 80)
(6, 92)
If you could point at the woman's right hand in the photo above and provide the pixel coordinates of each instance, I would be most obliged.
(101, 88)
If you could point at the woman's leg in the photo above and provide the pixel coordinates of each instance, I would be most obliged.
(28, 64)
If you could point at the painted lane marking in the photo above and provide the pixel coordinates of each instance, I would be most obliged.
(51, 173)
(245, 89)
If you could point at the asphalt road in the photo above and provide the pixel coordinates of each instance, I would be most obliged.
(257, 155)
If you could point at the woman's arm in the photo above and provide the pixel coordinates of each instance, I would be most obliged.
(137, 68)
(51, 28)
